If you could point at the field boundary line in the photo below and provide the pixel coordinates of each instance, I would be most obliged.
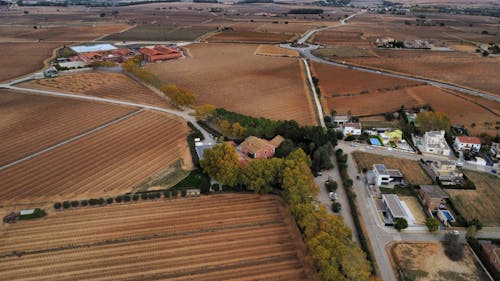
(319, 109)
(71, 139)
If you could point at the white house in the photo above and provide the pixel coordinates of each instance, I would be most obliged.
(434, 142)
(495, 150)
(340, 120)
(352, 129)
(396, 208)
(467, 143)
(383, 176)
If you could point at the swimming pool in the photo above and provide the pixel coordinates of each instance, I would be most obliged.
(375, 141)
(448, 216)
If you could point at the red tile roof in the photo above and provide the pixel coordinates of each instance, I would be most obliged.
(473, 140)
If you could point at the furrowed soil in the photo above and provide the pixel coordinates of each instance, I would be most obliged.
(233, 77)
(30, 123)
(109, 161)
(216, 237)
(100, 84)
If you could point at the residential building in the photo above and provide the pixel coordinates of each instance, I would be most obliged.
(258, 148)
(340, 120)
(352, 129)
(101, 52)
(391, 135)
(492, 251)
(159, 53)
(467, 143)
(434, 197)
(384, 176)
(396, 208)
(447, 171)
(434, 142)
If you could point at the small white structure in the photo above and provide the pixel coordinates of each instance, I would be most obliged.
(384, 176)
(495, 150)
(26, 212)
(467, 143)
(434, 142)
(72, 64)
(352, 129)
(396, 208)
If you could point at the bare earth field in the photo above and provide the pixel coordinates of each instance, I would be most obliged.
(411, 170)
(57, 32)
(23, 58)
(426, 261)
(415, 208)
(217, 237)
(360, 92)
(461, 68)
(482, 203)
(109, 161)
(233, 77)
(161, 33)
(31, 122)
(100, 84)
(461, 109)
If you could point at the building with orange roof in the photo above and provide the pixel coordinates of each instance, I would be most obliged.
(159, 53)
(257, 148)
(467, 143)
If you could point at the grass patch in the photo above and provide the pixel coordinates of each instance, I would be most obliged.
(195, 179)
(407, 191)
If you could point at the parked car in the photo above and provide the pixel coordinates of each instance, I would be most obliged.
(332, 195)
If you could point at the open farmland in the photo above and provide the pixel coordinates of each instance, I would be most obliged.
(233, 77)
(335, 37)
(426, 261)
(109, 161)
(482, 203)
(275, 51)
(470, 70)
(161, 33)
(31, 122)
(411, 170)
(463, 110)
(57, 32)
(360, 92)
(218, 237)
(23, 58)
(100, 84)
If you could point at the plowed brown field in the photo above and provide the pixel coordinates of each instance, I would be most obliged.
(31, 122)
(23, 58)
(100, 84)
(218, 237)
(108, 161)
(233, 77)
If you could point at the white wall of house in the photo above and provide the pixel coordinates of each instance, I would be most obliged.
(460, 146)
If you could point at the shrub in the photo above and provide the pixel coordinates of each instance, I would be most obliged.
(109, 200)
(84, 203)
(475, 222)
(93, 202)
(215, 187)
(135, 197)
(151, 196)
(331, 185)
(119, 199)
(336, 207)
(66, 204)
(126, 198)
(144, 196)
(100, 201)
(452, 247)
(400, 224)
(75, 204)
(57, 205)
(158, 194)
(432, 224)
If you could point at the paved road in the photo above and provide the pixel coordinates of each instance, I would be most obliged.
(306, 52)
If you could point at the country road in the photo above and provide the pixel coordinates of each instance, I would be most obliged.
(306, 51)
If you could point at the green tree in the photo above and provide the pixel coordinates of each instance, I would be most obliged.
(222, 163)
(430, 120)
(477, 223)
(432, 224)
(452, 247)
(400, 224)
(336, 207)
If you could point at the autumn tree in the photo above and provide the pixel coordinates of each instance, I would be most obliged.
(262, 175)
(234, 130)
(204, 112)
(237, 131)
(430, 120)
(221, 163)
(179, 96)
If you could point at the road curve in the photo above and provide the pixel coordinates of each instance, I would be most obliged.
(306, 52)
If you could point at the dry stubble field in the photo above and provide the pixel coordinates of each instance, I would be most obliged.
(110, 161)
(100, 84)
(411, 170)
(217, 237)
(482, 203)
(32, 122)
(427, 262)
(233, 77)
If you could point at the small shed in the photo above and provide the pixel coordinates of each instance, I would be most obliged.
(193, 192)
